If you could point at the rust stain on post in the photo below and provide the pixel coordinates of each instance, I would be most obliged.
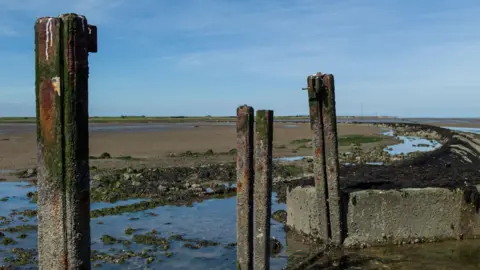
(318, 155)
(331, 158)
(51, 197)
(263, 188)
(245, 176)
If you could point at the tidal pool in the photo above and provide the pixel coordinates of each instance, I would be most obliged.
(409, 144)
(212, 220)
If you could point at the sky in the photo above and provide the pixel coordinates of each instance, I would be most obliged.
(406, 58)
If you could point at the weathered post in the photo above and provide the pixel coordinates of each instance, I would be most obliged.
(318, 155)
(245, 176)
(263, 188)
(331, 157)
(321, 97)
(61, 63)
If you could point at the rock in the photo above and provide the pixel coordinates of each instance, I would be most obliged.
(136, 183)
(95, 184)
(127, 176)
(194, 186)
(30, 172)
(275, 246)
(280, 216)
(219, 188)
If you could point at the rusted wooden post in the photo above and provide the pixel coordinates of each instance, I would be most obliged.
(331, 157)
(61, 65)
(263, 189)
(245, 176)
(318, 156)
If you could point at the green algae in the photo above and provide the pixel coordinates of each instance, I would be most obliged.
(8, 241)
(110, 240)
(151, 240)
(20, 228)
(120, 257)
(130, 231)
(21, 257)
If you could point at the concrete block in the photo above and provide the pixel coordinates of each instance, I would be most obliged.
(385, 216)
(302, 212)
(427, 213)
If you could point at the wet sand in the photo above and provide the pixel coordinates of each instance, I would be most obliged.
(151, 144)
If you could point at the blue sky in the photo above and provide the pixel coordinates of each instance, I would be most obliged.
(199, 57)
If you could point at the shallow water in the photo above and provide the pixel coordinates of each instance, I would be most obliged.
(465, 129)
(213, 220)
(409, 144)
(452, 255)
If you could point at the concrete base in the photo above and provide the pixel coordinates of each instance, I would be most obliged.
(393, 216)
(302, 212)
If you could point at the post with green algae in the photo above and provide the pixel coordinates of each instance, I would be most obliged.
(61, 65)
(245, 176)
(321, 96)
(263, 188)
(320, 178)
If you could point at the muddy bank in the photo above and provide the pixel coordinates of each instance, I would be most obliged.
(452, 165)
(444, 167)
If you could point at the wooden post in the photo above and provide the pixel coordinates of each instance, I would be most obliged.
(318, 156)
(263, 188)
(245, 176)
(331, 157)
(323, 120)
(61, 63)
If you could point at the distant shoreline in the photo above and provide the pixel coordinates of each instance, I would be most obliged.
(186, 119)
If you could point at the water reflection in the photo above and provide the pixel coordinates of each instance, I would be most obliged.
(213, 220)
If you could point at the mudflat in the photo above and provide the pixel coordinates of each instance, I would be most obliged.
(161, 145)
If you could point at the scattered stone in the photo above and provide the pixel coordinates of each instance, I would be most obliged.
(8, 241)
(130, 231)
(280, 216)
(275, 246)
(105, 155)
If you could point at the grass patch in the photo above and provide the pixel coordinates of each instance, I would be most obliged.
(357, 139)
(343, 140)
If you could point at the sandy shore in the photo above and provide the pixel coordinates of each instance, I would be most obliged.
(152, 145)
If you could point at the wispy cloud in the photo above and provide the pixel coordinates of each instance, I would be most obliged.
(413, 52)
